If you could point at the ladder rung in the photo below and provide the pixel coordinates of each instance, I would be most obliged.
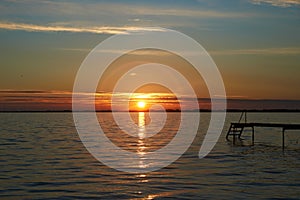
(236, 127)
(234, 133)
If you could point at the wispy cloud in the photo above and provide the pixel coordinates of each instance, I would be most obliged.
(229, 52)
(191, 13)
(94, 29)
(280, 3)
(67, 8)
(144, 52)
(266, 51)
(75, 49)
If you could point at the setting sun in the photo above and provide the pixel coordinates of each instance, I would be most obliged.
(141, 104)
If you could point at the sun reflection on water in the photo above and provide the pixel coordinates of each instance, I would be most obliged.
(141, 134)
(141, 124)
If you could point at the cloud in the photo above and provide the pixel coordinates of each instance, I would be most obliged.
(101, 9)
(279, 3)
(94, 29)
(190, 13)
(229, 52)
(89, 16)
(266, 51)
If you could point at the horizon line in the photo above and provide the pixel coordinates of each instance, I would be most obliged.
(168, 110)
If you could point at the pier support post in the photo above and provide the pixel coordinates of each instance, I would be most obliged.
(233, 139)
(252, 135)
(283, 138)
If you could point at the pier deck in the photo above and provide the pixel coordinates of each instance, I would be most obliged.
(236, 129)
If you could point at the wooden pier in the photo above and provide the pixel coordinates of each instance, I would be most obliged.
(236, 128)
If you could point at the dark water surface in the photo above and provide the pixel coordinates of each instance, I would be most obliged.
(42, 157)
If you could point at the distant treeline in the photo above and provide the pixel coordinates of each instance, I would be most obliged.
(168, 110)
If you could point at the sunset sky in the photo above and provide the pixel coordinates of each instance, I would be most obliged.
(254, 43)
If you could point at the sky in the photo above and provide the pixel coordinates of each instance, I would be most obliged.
(254, 43)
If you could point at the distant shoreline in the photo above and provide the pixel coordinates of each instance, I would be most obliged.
(204, 110)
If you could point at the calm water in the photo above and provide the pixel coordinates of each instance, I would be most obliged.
(43, 157)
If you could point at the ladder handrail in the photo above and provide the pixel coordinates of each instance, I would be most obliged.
(245, 117)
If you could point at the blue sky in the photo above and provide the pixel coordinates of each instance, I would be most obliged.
(255, 43)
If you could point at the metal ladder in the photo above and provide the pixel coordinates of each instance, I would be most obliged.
(235, 130)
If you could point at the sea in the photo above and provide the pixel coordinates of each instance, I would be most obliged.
(43, 157)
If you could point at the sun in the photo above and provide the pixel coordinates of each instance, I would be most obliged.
(141, 104)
